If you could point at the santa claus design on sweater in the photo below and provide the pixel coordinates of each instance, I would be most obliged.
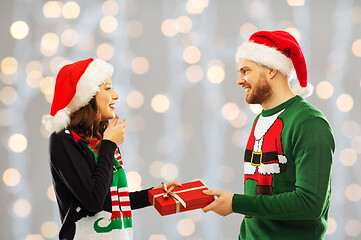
(264, 155)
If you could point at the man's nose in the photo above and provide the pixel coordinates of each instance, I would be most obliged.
(240, 80)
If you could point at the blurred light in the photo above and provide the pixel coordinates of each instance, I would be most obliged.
(215, 74)
(140, 65)
(344, 102)
(215, 63)
(324, 90)
(34, 237)
(169, 171)
(134, 28)
(240, 120)
(51, 193)
(34, 66)
(351, 129)
(5, 117)
(186, 227)
(157, 237)
(136, 123)
(134, 181)
(247, 30)
(8, 95)
(295, 33)
(230, 111)
(19, 29)
(11, 177)
(56, 63)
(71, 10)
(257, 10)
(170, 27)
(47, 85)
(49, 44)
(86, 42)
(185, 131)
(69, 38)
(196, 216)
(17, 143)
(348, 157)
(332, 226)
(33, 79)
(355, 15)
(7, 79)
(356, 47)
(196, 6)
(190, 38)
(356, 144)
(256, 108)
(105, 51)
(191, 54)
(9, 65)
(110, 8)
(135, 99)
(353, 228)
(184, 24)
(108, 24)
(353, 192)
(296, 3)
(22, 208)
(49, 229)
(239, 138)
(155, 169)
(226, 174)
(52, 9)
(160, 103)
(284, 24)
(194, 73)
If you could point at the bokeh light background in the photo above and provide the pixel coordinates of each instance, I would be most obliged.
(176, 79)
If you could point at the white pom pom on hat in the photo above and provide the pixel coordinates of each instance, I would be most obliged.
(76, 84)
(278, 50)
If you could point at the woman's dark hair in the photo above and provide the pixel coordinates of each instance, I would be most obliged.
(86, 122)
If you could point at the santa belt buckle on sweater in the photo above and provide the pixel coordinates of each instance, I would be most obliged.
(116, 168)
(256, 158)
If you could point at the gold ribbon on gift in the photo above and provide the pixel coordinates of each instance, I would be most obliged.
(178, 200)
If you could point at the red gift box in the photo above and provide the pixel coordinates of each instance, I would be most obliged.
(191, 193)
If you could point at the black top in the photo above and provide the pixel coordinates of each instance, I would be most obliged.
(82, 187)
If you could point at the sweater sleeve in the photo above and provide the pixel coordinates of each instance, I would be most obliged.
(313, 147)
(89, 186)
(139, 199)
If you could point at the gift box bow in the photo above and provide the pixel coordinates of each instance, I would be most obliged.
(178, 200)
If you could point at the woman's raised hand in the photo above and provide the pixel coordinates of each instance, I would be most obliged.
(115, 132)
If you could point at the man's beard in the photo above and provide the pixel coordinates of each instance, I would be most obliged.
(260, 92)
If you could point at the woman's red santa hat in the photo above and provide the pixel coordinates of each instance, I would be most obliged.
(278, 50)
(76, 84)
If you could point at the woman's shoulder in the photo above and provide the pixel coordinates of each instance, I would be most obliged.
(64, 136)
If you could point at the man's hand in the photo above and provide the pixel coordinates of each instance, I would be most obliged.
(222, 205)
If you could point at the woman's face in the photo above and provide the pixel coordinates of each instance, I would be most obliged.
(105, 100)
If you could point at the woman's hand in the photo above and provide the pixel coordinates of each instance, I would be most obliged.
(115, 132)
(169, 184)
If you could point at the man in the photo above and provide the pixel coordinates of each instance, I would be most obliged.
(288, 157)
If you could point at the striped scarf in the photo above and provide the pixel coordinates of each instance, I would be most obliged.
(119, 191)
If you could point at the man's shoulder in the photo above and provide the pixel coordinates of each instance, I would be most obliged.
(304, 111)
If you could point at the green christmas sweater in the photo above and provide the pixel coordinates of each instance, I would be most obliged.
(287, 174)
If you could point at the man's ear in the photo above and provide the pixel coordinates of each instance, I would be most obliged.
(271, 72)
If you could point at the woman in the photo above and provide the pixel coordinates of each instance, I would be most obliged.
(86, 165)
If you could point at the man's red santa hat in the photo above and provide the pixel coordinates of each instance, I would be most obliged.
(76, 84)
(278, 50)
